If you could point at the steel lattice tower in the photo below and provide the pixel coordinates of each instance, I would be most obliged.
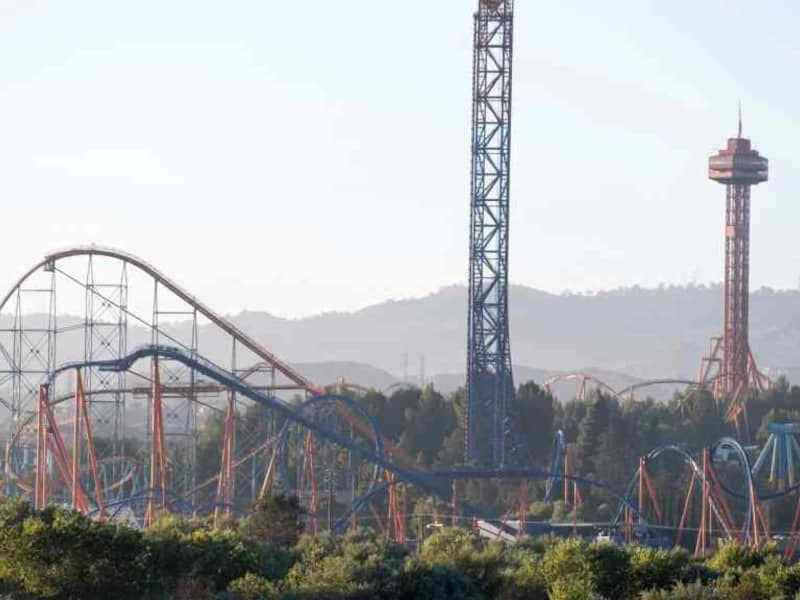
(490, 385)
(737, 167)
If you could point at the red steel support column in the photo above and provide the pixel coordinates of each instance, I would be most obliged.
(40, 495)
(76, 444)
(225, 484)
(735, 374)
(686, 506)
(83, 408)
(158, 456)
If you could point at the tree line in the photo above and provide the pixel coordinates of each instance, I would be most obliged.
(59, 553)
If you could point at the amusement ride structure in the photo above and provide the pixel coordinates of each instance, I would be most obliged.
(104, 407)
(490, 384)
(737, 167)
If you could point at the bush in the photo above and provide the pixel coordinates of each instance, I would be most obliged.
(730, 556)
(691, 591)
(464, 551)
(523, 576)
(418, 582)
(192, 550)
(540, 511)
(361, 562)
(61, 553)
(611, 568)
(653, 568)
(276, 519)
(253, 587)
(568, 570)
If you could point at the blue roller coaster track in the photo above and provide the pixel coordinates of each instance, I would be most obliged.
(370, 449)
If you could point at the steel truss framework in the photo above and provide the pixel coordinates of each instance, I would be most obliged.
(327, 445)
(490, 386)
(738, 167)
(122, 298)
(716, 514)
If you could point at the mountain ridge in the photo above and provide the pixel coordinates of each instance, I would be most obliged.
(632, 333)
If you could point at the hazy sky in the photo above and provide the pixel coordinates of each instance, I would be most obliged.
(297, 157)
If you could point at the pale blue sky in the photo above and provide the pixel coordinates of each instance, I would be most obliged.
(297, 157)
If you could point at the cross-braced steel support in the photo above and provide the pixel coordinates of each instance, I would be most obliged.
(490, 386)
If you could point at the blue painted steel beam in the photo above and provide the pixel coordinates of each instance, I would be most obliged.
(427, 481)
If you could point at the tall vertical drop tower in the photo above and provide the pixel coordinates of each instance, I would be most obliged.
(490, 385)
(738, 167)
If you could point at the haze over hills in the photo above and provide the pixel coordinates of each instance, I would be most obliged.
(629, 333)
(640, 332)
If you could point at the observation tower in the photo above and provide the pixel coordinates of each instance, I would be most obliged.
(737, 167)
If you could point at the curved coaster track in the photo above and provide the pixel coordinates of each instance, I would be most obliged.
(114, 432)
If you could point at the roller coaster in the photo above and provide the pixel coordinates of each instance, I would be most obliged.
(113, 431)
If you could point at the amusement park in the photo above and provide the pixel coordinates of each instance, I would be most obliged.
(131, 413)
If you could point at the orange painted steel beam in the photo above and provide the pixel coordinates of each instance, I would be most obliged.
(226, 483)
(50, 440)
(158, 455)
(686, 507)
(82, 407)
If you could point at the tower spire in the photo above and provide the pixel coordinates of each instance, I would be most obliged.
(740, 119)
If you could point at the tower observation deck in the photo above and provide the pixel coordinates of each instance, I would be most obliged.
(738, 167)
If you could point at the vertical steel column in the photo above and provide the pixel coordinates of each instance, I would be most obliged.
(180, 407)
(489, 378)
(105, 338)
(737, 289)
(27, 357)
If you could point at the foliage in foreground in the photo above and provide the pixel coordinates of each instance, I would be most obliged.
(57, 553)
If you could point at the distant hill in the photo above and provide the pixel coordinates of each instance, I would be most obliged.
(630, 334)
(642, 333)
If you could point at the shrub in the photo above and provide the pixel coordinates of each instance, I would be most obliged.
(568, 570)
(611, 568)
(418, 582)
(731, 556)
(523, 576)
(360, 562)
(480, 562)
(540, 511)
(253, 587)
(653, 568)
(62, 553)
(276, 519)
(182, 549)
(682, 591)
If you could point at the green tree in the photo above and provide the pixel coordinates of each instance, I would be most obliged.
(653, 568)
(361, 563)
(275, 518)
(59, 553)
(536, 411)
(253, 587)
(600, 411)
(428, 424)
(568, 570)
